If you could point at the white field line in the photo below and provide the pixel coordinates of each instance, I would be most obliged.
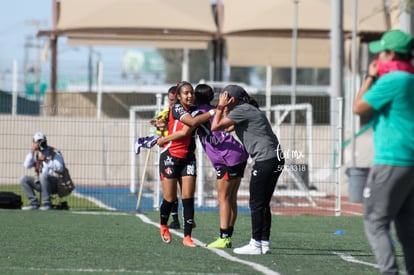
(101, 213)
(349, 258)
(219, 252)
(92, 199)
(114, 271)
(258, 267)
(342, 203)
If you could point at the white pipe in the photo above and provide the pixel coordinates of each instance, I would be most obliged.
(268, 90)
(309, 134)
(338, 159)
(185, 74)
(105, 152)
(200, 174)
(353, 78)
(336, 75)
(37, 70)
(157, 193)
(405, 16)
(14, 88)
(132, 137)
(211, 71)
(99, 91)
(293, 73)
(276, 117)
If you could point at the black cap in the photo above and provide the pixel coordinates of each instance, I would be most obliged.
(235, 91)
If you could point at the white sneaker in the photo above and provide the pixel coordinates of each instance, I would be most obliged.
(252, 248)
(45, 207)
(30, 207)
(266, 247)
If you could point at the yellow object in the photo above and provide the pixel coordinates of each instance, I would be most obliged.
(164, 114)
(162, 133)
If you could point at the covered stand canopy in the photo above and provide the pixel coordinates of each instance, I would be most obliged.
(263, 35)
(256, 34)
(95, 21)
(157, 23)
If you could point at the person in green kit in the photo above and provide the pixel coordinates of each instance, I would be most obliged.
(388, 92)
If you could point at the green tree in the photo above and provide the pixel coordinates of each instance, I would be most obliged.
(172, 58)
(198, 63)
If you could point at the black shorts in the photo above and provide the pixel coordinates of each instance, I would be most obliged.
(174, 168)
(231, 172)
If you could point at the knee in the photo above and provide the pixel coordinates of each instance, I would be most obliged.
(43, 178)
(23, 180)
(170, 198)
(46, 180)
(255, 207)
(223, 198)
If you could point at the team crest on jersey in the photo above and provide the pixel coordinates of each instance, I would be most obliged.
(168, 170)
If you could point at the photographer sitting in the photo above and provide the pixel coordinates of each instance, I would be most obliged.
(47, 163)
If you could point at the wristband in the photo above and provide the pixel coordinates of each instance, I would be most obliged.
(220, 107)
(212, 112)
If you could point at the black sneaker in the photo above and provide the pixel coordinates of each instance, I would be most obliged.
(174, 225)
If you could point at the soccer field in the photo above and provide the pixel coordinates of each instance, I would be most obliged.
(67, 242)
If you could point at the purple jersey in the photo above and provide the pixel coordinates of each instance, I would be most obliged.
(221, 147)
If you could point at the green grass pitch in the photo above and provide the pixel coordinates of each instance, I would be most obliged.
(69, 242)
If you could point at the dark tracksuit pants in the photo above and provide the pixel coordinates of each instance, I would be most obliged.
(263, 181)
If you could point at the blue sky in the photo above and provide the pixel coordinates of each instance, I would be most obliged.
(15, 19)
(16, 23)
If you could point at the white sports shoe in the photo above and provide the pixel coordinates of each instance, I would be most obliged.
(266, 247)
(30, 207)
(252, 248)
(45, 207)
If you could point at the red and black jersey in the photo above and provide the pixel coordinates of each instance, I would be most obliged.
(184, 147)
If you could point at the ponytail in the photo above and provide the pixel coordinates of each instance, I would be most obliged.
(253, 102)
(247, 99)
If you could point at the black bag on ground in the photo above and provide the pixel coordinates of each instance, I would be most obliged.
(10, 200)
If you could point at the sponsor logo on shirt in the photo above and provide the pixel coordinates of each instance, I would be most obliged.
(168, 161)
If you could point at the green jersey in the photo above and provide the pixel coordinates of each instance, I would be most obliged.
(392, 98)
